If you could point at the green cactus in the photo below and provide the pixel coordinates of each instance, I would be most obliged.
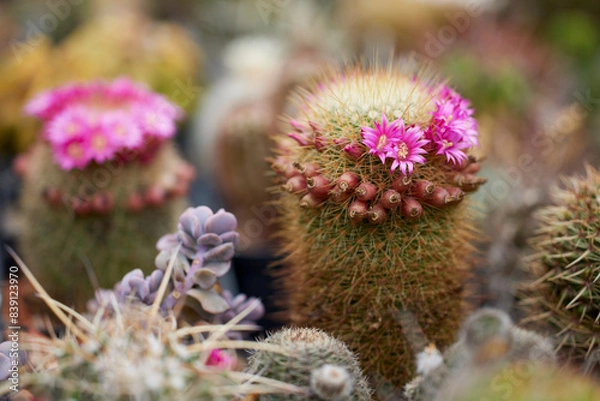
(565, 293)
(100, 186)
(311, 359)
(362, 241)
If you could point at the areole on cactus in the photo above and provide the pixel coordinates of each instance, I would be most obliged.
(373, 180)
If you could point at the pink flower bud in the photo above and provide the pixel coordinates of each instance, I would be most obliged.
(315, 127)
(348, 181)
(391, 199)
(402, 183)
(295, 184)
(411, 208)
(365, 191)
(318, 186)
(377, 214)
(354, 150)
(341, 143)
(320, 143)
(423, 189)
(302, 139)
(297, 125)
(357, 211)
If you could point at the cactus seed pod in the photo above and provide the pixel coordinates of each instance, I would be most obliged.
(135, 202)
(472, 168)
(318, 185)
(365, 191)
(53, 196)
(423, 189)
(339, 196)
(284, 168)
(439, 198)
(469, 182)
(310, 201)
(295, 184)
(80, 206)
(411, 208)
(391, 199)
(402, 184)
(456, 193)
(155, 195)
(377, 214)
(307, 169)
(348, 181)
(357, 211)
(102, 202)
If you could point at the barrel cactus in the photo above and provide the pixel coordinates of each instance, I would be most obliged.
(101, 184)
(373, 177)
(565, 292)
(313, 360)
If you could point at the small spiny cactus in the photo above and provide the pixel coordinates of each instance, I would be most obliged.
(566, 266)
(102, 183)
(373, 177)
(313, 360)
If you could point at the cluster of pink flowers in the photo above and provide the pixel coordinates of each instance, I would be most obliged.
(393, 140)
(452, 130)
(93, 122)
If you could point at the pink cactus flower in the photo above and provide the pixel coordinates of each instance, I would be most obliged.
(94, 121)
(383, 137)
(452, 128)
(408, 150)
(221, 359)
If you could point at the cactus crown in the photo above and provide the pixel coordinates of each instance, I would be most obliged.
(368, 140)
(567, 263)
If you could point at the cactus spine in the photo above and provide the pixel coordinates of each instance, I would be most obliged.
(566, 266)
(374, 220)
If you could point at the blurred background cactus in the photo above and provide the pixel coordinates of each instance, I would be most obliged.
(117, 39)
(563, 295)
(100, 186)
(313, 360)
(373, 177)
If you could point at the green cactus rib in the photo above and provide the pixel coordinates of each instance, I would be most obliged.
(58, 244)
(566, 267)
(347, 277)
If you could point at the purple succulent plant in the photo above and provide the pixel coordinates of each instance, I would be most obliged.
(238, 304)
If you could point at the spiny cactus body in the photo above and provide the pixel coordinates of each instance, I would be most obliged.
(566, 266)
(313, 360)
(374, 174)
(99, 195)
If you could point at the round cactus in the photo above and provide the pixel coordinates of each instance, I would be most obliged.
(566, 266)
(313, 360)
(373, 178)
(101, 185)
